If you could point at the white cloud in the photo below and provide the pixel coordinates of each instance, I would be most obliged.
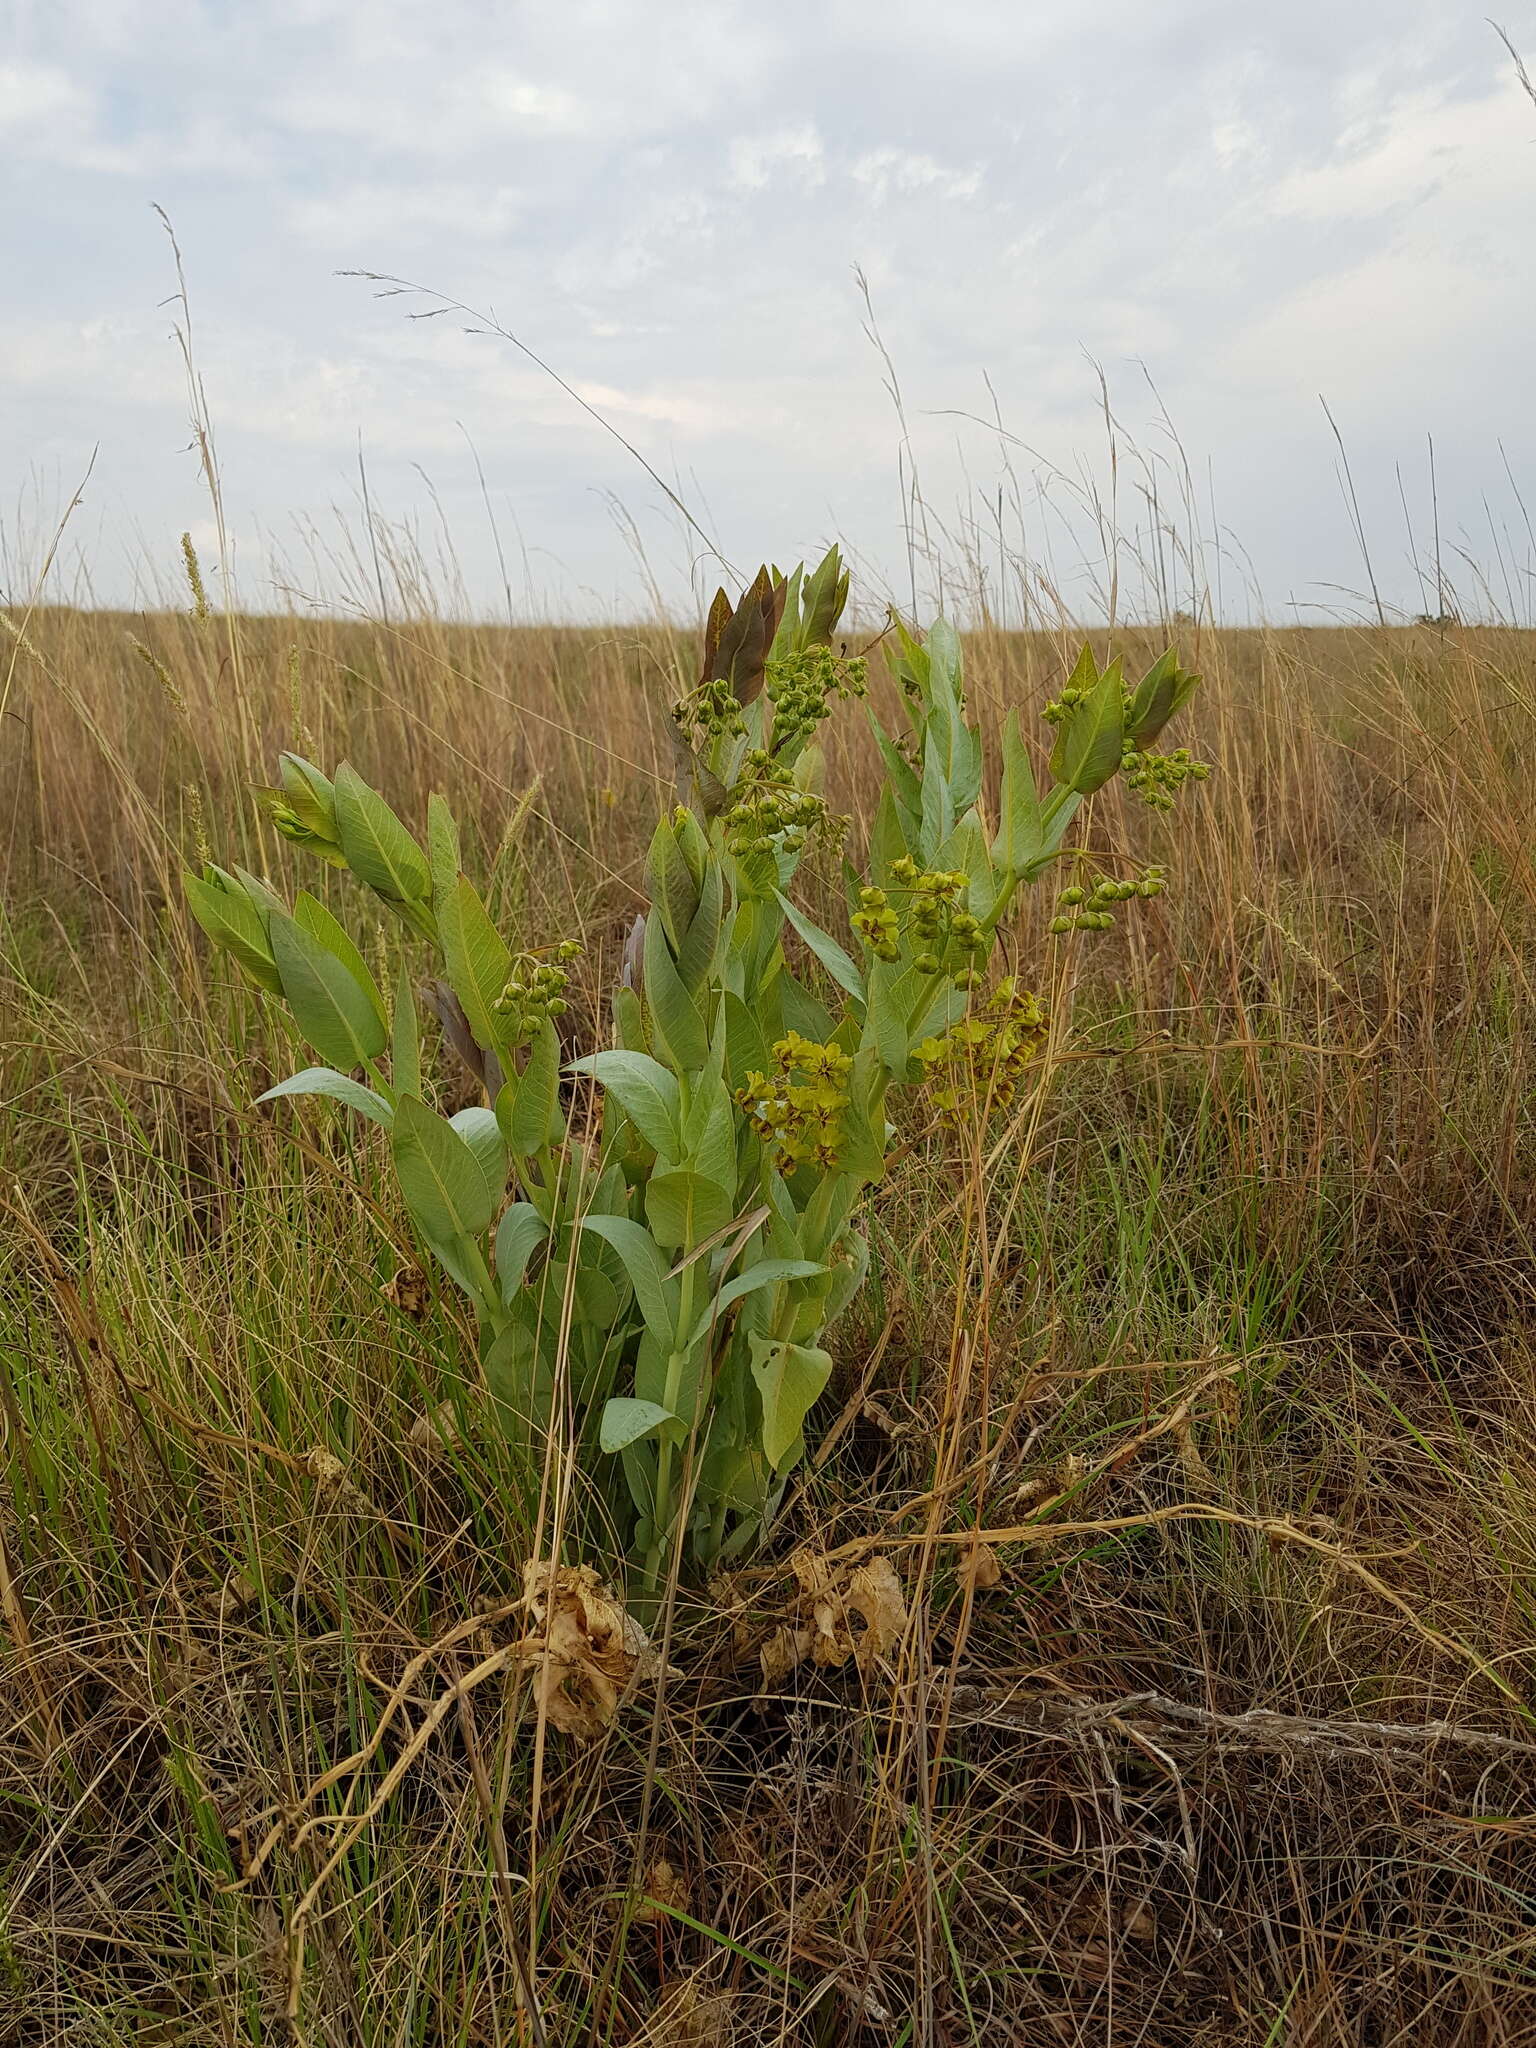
(888, 171)
(1401, 154)
(537, 109)
(668, 204)
(352, 217)
(35, 95)
(795, 155)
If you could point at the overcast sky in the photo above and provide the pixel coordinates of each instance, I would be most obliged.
(1229, 207)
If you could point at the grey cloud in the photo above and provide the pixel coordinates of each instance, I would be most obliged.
(668, 202)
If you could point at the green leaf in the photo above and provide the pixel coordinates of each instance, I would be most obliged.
(766, 1273)
(517, 1377)
(625, 1421)
(709, 1135)
(335, 1013)
(444, 1184)
(802, 1012)
(379, 850)
(965, 852)
(655, 1291)
(528, 1107)
(1056, 814)
(893, 994)
(263, 896)
(944, 663)
(645, 1090)
(340, 1087)
(901, 777)
(697, 952)
(457, 1257)
(518, 1236)
(887, 843)
(478, 1127)
(640, 1477)
(629, 1021)
(675, 1021)
(312, 914)
(443, 859)
(476, 956)
(1160, 695)
(790, 1379)
(826, 949)
(405, 1038)
(1018, 841)
(938, 817)
(235, 926)
(309, 795)
(683, 1208)
(1090, 739)
(746, 1049)
(673, 889)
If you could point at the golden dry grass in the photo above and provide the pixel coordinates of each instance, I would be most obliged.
(1266, 1259)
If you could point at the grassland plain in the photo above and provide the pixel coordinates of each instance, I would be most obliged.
(1232, 1330)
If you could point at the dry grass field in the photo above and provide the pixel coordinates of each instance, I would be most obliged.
(1236, 1338)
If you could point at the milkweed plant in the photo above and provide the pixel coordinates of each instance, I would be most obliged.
(662, 1276)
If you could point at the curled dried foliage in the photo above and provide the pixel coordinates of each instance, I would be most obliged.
(839, 1614)
(585, 1648)
(665, 1891)
(410, 1292)
(980, 1570)
(692, 2016)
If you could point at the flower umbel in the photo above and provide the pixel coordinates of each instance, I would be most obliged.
(798, 1106)
(979, 1059)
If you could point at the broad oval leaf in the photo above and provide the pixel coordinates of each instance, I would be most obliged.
(645, 1090)
(334, 1011)
(443, 1182)
(478, 1127)
(675, 1020)
(442, 848)
(627, 1421)
(340, 1087)
(790, 1378)
(518, 1236)
(312, 914)
(683, 1208)
(655, 1291)
(476, 956)
(528, 1106)
(1090, 739)
(379, 850)
(1018, 840)
(405, 1038)
(236, 927)
(766, 1273)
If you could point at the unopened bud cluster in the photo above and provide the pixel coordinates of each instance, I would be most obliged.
(710, 710)
(798, 1106)
(1158, 778)
(1088, 910)
(1062, 706)
(930, 915)
(769, 812)
(534, 991)
(803, 688)
(982, 1055)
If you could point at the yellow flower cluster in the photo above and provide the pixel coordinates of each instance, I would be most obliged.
(981, 1057)
(798, 1106)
